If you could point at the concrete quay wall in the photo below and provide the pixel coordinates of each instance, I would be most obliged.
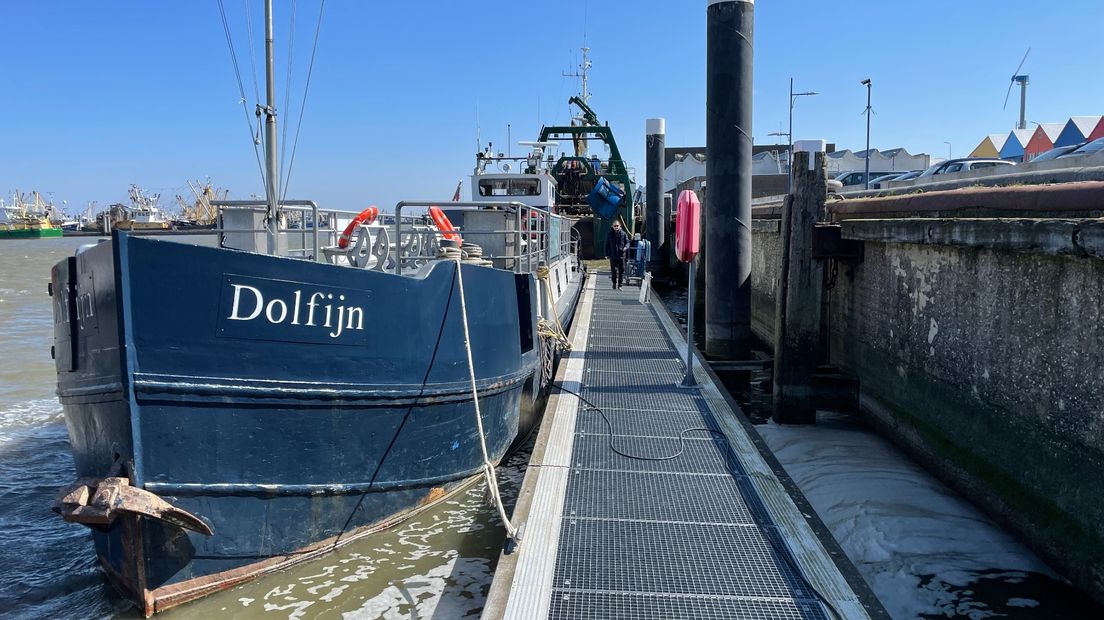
(979, 347)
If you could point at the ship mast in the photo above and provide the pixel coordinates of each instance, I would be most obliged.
(584, 96)
(581, 72)
(272, 184)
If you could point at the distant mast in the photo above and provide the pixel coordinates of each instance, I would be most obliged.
(584, 96)
(272, 183)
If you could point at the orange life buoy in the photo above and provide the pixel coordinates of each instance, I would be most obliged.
(443, 224)
(366, 216)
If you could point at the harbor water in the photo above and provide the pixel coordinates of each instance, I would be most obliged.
(438, 564)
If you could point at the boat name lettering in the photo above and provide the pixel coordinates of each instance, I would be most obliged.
(262, 309)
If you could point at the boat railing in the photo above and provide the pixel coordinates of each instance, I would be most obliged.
(394, 242)
(303, 231)
(537, 235)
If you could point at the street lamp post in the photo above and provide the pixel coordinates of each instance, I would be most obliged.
(948, 149)
(789, 136)
(866, 174)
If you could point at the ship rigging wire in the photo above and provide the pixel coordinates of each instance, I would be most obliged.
(284, 174)
(241, 89)
(252, 48)
(306, 89)
(287, 94)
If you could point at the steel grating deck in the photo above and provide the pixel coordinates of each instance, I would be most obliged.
(656, 537)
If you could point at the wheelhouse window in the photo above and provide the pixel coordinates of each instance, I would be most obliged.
(509, 187)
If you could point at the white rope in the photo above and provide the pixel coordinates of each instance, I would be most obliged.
(551, 329)
(488, 467)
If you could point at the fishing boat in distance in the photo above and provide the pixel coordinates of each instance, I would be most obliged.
(595, 190)
(318, 376)
(25, 218)
(143, 213)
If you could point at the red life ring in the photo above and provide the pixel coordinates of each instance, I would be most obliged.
(366, 216)
(443, 224)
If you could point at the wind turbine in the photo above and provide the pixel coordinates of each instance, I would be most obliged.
(1022, 79)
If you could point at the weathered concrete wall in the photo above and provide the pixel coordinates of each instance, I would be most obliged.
(987, 364)
(766, 267)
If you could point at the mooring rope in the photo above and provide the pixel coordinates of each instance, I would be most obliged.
(488, 466)
(553, 330)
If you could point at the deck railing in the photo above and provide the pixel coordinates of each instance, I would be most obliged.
(309, 232)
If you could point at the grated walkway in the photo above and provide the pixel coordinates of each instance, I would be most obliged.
(709, 533)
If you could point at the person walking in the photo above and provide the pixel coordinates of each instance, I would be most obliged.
(617, 245)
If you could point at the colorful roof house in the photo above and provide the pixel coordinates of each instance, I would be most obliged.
(1042, 140)
(1098, 132)
(1077, 130)
(990, 146)
(1013, 148)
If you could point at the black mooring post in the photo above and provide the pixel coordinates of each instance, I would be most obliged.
(729, 33)
(655, 225)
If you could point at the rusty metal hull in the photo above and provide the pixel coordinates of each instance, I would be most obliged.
(284, 427)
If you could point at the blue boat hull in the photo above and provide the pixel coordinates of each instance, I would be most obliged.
(289, 405)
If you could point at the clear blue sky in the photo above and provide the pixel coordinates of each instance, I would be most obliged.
(99, 95)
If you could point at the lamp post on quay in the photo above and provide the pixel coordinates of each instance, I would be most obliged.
(866, 175)
(789, 154)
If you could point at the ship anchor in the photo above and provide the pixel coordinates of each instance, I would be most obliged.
(97, 502)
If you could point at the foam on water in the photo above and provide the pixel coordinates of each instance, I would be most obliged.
(924, 550)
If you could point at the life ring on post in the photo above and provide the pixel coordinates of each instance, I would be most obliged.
(366, 216)
(443, 224)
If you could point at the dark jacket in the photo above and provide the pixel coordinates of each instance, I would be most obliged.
(617, 243)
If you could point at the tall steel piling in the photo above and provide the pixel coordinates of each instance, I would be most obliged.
(655, 224)
(729, 52)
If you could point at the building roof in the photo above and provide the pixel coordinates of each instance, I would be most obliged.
(670, 152)
(1077, 129)
(990, 145)
(998, 140)
(1098, 131)
(1085, 123)
(1042, 139)
(1017, 140)
(1052, 130)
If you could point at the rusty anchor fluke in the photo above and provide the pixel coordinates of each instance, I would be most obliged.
(97, 502)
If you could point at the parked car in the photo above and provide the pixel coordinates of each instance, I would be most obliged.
(880, 182)
(1092, 147)
(908, 176)
(962, 165)
(858, 177)
(1058, 151)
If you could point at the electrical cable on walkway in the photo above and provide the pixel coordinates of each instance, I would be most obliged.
(609, 426)
(488, 467)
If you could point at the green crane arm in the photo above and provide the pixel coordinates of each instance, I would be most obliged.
(589, 117)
